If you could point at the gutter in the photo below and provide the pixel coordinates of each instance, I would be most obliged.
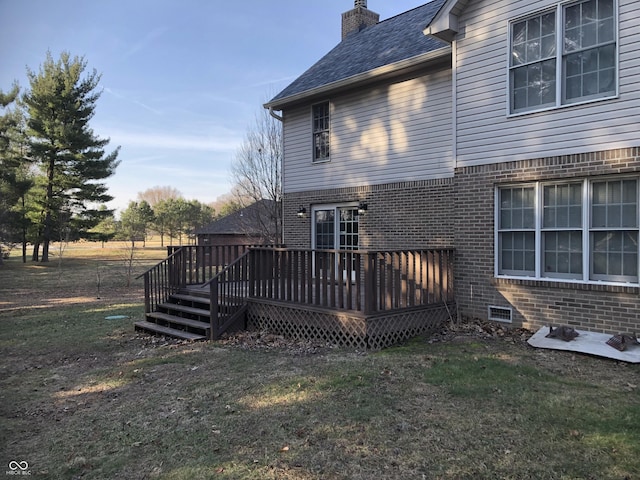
(371, 75)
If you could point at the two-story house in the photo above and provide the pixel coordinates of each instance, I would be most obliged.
(507, 129)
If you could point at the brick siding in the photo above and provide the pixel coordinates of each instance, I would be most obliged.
(459, 212)
(399, 215)
(535, 303)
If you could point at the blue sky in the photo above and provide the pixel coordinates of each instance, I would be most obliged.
(182, 80)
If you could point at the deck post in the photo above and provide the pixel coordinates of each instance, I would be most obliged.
(147, 293)
(214, 309)
(251, 272)
(450, 278)
(369, 283)
(172, 272)
(183, 268)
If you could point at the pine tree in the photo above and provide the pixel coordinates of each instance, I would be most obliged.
(15, 178)
(59, 105)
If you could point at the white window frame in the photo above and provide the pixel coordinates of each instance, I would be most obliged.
(585, 200)
(499, 230)
(559, 58)
(587, 229)
(315, 160)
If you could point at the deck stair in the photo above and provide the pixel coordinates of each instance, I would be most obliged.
(185, 315)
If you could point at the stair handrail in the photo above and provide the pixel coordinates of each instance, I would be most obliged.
(177, 252)
(224, 293)
(159, 280)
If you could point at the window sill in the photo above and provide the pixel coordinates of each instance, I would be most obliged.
(561, 107)
(320, 162)
(567, 284)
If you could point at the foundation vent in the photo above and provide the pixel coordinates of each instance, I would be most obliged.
(500, 314)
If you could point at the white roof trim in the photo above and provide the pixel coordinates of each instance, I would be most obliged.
(444, 24)
(380, 72)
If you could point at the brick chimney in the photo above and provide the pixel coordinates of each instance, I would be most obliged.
(358, 18)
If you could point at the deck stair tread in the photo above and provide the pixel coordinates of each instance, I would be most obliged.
(187, 322)
(195, 291)
(171, 332)
(191, 298)
(184, 308)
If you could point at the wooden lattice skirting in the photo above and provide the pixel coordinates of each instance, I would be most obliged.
(350, 329)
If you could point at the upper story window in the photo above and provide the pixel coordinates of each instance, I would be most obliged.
(564, 55)
(320, 114)
(581, 230)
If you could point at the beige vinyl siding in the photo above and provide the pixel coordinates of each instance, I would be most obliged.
(485, 131)
(384, 134)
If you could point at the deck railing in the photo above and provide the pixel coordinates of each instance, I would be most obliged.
(228, 293)
(408, 278)
(203, 262)
(365, 281)
(164, 279)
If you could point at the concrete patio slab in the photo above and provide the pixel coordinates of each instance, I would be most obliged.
(591, 343)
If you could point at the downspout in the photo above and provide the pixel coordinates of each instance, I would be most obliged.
(454, 98)
(280, 119)
(275, 115)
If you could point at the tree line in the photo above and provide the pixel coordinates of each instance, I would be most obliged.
(172, 218)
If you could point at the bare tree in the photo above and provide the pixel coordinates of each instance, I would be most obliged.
(257, 172)
(155, 195)
(225, 204)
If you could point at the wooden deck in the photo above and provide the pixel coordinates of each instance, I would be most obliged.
(368, 299)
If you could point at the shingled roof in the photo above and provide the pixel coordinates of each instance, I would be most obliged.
(246, 221)
(389, 42)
